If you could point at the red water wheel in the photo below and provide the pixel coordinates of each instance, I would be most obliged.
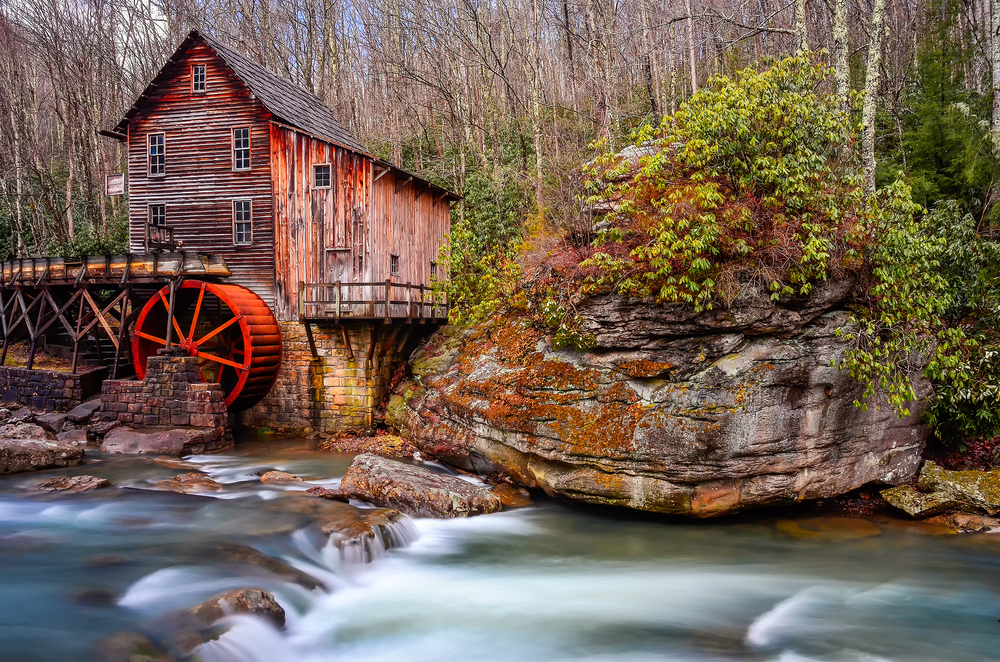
(229, 328)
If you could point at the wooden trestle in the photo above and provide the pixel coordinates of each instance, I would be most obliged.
(89, 297)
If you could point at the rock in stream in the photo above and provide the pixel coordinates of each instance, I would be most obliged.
(415, 490)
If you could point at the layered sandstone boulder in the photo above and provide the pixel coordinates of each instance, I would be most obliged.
(672, 411)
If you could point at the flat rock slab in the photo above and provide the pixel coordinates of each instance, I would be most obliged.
(918, 504)
(75, 436)
(975, 490)
(189, 483)
(25, 431)
(414, 490)
(82, 413)
(279, 477)
(160, 442)
(53, 422)
(72, 484)
(17, 455)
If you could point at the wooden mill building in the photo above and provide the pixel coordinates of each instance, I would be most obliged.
(228, 159)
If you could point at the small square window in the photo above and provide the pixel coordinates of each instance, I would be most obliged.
(242, 222)
(198, 78)
(241, 148)
(394, 265)
(157, 154)
(158, 215)
(321, 176)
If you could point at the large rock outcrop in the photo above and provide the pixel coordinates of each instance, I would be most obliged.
(671, 411)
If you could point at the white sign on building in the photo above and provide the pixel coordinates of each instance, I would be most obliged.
(115, 184)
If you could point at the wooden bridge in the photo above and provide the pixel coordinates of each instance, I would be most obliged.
(108, 305)
(91, 298)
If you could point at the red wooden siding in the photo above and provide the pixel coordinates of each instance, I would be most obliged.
(316, 228)
(410, 223)
(200, 184)
(349, 231)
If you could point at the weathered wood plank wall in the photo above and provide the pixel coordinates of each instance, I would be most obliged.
(349, 231)
(200, 184)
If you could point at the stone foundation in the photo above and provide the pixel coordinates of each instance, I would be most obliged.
(48, 389)
(171, 395)
(334, 392)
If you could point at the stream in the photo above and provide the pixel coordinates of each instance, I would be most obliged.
(549, 582)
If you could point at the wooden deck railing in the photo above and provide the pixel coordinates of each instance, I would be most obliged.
(381, 300)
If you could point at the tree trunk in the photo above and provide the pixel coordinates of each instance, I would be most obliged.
(841, 49)
(995, 63)
(801, 26)
(691, 46)
(873, 77)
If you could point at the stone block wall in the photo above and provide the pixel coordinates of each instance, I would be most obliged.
(171, 395)
(49, 390)
(334, 392)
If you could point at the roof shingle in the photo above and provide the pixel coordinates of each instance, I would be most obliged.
(288, 102)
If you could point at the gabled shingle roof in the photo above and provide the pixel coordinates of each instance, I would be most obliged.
(288, 102)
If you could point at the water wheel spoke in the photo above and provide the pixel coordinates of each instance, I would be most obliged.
(217, 330)
(173, 320)
(197, 309)
(238, 352)
(143, 334)
(219, 359)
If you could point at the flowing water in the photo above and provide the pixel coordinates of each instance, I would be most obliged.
(549, 582)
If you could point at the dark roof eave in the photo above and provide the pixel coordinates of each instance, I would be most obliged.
(417, 178)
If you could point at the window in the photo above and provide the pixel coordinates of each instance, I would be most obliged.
(434, 270)
(241, 148)
(198, 78)
(242, 222)
(394, 265)
(157, 158)
(321, 176)
(158, 215)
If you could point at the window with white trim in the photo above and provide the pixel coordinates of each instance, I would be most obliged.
(198, 78)
(242, 222)
(157, 163)
(321, 175)
(158, 215)
(241, 148)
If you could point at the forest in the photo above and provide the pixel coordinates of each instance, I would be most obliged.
(505, 103)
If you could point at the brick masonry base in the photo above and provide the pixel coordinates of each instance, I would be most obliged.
(48, 389)
(334, 392)
(171, 396)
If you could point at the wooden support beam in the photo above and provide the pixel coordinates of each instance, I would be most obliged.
(388, 300)
(83, 270)
(404, 339)
(400, 185)
(122, 332)
(78, 336)
(390, 341)
(347, 342)
(128, 268)
(312, 342)
(385, 171)
(60, 312)
(35, 336)
(100, 315)
(371, 351)
(45, 274)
